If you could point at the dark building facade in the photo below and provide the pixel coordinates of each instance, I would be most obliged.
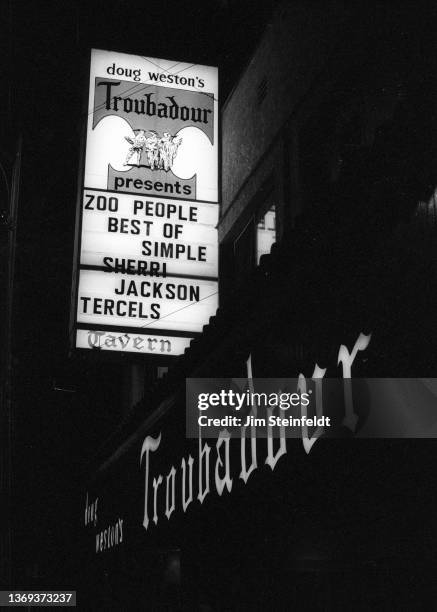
(327, 240)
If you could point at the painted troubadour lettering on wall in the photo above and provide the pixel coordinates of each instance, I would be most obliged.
(166, 493)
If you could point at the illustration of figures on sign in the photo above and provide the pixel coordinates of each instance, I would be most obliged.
(137, 145)
(160, 152)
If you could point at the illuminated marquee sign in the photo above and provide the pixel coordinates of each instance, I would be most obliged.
(147, 263)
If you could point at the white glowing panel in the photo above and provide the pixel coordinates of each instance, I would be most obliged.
(152, 127)
(148, 250)
(180, 234)
(170, 303)
(149, 344)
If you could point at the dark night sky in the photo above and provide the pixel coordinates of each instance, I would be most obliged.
(57, 432)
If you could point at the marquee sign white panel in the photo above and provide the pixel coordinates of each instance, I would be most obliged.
(152, 127)
(107, 234)
(146, 344)
(145, 302)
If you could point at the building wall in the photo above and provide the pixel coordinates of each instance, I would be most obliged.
(291, 53)
(341, 143)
